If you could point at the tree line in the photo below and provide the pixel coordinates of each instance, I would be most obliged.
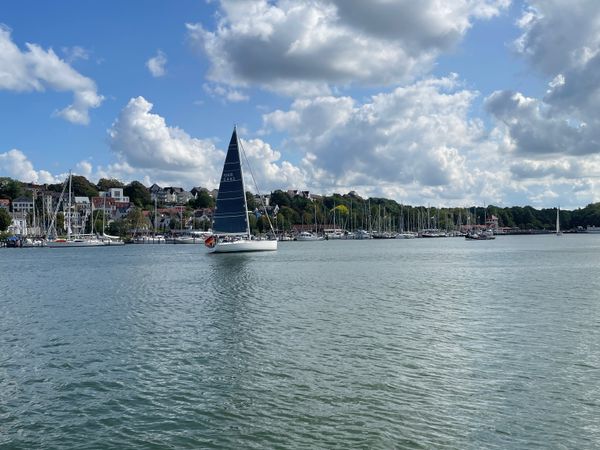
(348, 211)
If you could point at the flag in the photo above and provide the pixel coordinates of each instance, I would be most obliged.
(210, 241)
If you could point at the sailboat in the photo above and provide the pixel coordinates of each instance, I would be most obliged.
(231, 229)
(309, 236)
(558, 232)
(71, 240)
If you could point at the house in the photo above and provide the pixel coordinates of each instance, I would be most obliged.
(299, 193)
(122, 209)
(115, 193)
(264, 199)
(492, 222)
(22, 205)
(203, 214)
(107, 205)
(184, 197)
(18, 226)
(5, 203)
(157, 193)
(171, 194)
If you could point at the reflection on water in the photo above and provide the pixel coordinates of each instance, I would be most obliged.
(417, 343)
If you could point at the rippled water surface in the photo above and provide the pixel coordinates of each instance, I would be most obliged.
(430, 343)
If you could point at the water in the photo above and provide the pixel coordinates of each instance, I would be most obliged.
(439, 343)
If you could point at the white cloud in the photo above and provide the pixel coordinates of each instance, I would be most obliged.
(418, 138)
(147, 148)
(156, 64)
(535, 129)
(559, 34)
(75, 53)
(306, 47)
(225, 93)
(15, 164)
(270, 171)
(143, 140)
(558, 135)
(37, 69)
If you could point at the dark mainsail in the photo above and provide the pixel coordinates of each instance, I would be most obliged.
(231, 216)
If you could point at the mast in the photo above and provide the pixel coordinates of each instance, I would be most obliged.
(243, 186)
(92, 209)
(69, 212)
(103, 215)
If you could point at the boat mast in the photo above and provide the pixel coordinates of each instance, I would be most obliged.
(69, 208)
(243, 182)
(103, 216)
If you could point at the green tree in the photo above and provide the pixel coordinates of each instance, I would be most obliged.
(138, 194)
(136, 219)
(81, 187)
(119, 227)
(5, 219)
(280, 198)
(104, 184)
(202, 200)
(250, 201)
(10, 188)
(342, 210)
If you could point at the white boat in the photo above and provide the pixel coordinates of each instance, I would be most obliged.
(484, 235)
(188, 239)
(234, 244)
(558, 232)
(33, 242)
(74, 242)
(308, 236)
(107, 239)
(231, 228)
(362, 234)
(334, 233)
(156, 239)
(406, 235)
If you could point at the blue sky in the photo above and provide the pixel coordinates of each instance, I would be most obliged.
(435, 102)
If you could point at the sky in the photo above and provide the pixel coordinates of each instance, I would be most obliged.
(435, 102)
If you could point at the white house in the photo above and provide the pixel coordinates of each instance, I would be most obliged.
(116, 194)
(22, 205)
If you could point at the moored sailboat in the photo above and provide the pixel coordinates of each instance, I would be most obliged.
(71, 240)
(231, 228)
(558, 232)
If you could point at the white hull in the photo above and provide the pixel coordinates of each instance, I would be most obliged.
(75, 243)
(149, 240)
(310, 238)
(113, 242)
(244, 245)
(188, 240)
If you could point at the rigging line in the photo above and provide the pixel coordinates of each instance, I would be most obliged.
(256, 186)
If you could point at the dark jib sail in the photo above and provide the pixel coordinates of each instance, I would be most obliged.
(231, 216)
